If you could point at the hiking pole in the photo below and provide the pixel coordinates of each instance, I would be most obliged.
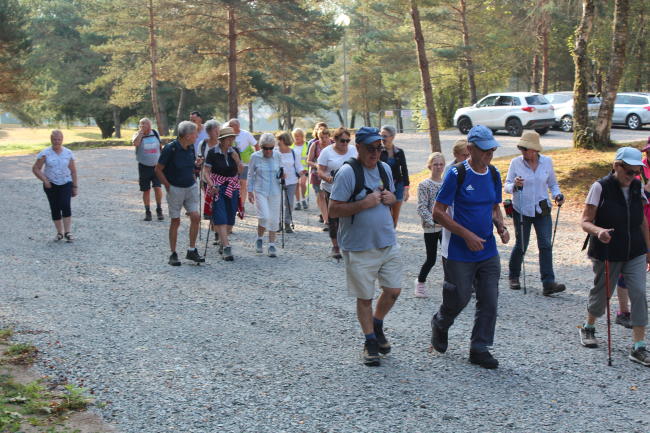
(201, 199)
(521, 223)
(308, 187)
(207, 236)
(282, 192)
(609, 320)
(557, 218)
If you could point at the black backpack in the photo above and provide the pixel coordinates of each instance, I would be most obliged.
(462, 172)
(360, 181)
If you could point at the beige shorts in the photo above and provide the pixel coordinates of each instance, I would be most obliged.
(363, 268)
(177, 198)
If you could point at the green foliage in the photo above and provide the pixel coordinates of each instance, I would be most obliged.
(15, 45)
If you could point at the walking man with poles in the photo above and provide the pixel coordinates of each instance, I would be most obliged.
(467, 206)
(618, 244)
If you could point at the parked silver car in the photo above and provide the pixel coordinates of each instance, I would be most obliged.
(563, 104)
(632, 109)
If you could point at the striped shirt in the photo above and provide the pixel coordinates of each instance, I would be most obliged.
(262, 173)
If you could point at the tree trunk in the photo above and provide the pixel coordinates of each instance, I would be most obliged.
(599, 81)
(340, 116)
(180, 113)
(353, 116)
(154, 79)
(233, 108)
(536, 67)
(423, 63)
(614, 73)
(106, 127)
(163, 128)
(545, 62)
(116, 121)
(461, 96)
(400, 124)
(468, 57)
(581, 133)
(638, 85)
(250, 117)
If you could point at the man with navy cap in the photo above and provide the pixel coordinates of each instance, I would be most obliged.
(614, 217)
(467, 206)
(362, 195)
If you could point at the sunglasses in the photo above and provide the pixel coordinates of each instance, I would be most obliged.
(630, 172)
(267, 148)
(522, 148)
(384, 137)
(343, 140)
(372, 149)
(494, 149)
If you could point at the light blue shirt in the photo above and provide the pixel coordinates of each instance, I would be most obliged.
(536, 184)
(262, 173)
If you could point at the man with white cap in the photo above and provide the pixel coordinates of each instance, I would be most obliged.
(535, 173)
(614, 218)
(467, 206)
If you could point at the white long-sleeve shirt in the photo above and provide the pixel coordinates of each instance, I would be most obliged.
(536, 184)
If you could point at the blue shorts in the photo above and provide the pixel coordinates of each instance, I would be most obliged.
(399, 191)
(224, 209)
(621, 282)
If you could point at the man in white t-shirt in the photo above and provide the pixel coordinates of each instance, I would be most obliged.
(197, 119)
(243, 140)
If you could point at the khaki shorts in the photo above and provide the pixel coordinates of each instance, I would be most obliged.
(363, 268)
(177, 198)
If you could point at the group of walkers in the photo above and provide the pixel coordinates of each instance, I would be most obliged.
(360, 189)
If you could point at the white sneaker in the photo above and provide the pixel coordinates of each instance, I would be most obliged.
(419, 289)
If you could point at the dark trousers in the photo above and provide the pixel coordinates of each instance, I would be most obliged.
(544, 231)
(59, 197)
(431, 244)
(457, 292)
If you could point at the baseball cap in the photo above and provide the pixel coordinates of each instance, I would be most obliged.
(629, 155)
(482, 136)
(367, 135)
(647, 146)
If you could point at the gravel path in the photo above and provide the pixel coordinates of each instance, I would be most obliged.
(265, 344)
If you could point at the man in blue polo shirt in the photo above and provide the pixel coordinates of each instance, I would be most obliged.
(467, 206)
(175, 169)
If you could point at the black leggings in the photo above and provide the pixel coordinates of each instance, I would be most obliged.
(431, 243)
(334, 222)
(59, 197)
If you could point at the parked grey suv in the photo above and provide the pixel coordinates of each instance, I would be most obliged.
(563, 104)
(632, 109)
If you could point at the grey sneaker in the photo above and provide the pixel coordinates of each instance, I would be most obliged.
(272, 252)
(326, 227)
(641, 355)
(304, 204)
(371, 353)
(297, 206)
(624, 319)
(258, 246)
(227, 254)
(173, 260)
(220, 249)
(588, 337)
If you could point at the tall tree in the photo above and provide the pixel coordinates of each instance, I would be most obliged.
(15, 45)
(582, 137)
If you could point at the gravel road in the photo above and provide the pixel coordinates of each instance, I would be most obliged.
(263, 344)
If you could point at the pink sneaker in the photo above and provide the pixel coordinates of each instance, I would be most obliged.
(419, 289)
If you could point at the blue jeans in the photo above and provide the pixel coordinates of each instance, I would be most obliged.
(544, 231)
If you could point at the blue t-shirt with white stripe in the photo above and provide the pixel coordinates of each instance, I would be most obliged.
(472, 209)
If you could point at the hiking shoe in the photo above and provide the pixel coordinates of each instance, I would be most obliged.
(147, 215)
(220, 249)
(336, 253)
(483, 359)
(272, 252)
(159, 214)
(326, 227)
(258, 246)
(438, 338)
(551, 288)
(419, 289)
(384, 345)
(588, 337)
(173, 260)
(641, 355)
(216, 239)
(227, 254)
(206, 217)
(297, 206)
(304, 204)
(195, 256)
(624, 319)
(371, 353)
(514, 283)
(288, 229)
(320, 218)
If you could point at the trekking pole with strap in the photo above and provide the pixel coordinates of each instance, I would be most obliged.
(200, 201)
(609, 320)
(521, 228)
(557, 218)
(207, 236)
(308, 187)
(282, 193)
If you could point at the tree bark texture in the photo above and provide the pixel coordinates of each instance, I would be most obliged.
(423, 63)
(180, 113)
(116, 120)
(582, 135)
(638, 85)
(154, 80)
(468, 57)
(545, 62)
(250, 117)
(233, 94)
(164, 126)
(461, 96)
(536, 64)
(614, 73)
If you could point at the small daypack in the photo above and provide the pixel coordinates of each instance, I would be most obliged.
(360, 181)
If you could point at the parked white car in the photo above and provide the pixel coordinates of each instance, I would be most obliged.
(512, 111)
(563, 104)
(632, 109)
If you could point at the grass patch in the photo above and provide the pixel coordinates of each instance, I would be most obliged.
(6, 333)
(20, 354)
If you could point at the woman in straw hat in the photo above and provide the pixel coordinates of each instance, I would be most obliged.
(221, 172)
(535, 173)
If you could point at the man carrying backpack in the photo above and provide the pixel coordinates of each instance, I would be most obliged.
(362, 195)
(467, 206)
(147, 151)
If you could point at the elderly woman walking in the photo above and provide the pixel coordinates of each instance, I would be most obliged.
(291, 160)
(221, 171)
(394, 157)
(211, 127)
(315, 150)
(535, 173)
(59, 182)
(264, 190)
(300, 147)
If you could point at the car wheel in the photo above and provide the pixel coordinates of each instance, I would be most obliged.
(514, 128)
(464, 125)
(566, 124)
(633, 122)
(542, 131)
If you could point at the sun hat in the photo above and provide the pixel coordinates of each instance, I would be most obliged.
(530, 140)
(367, 135)
(226, 132)
(482, 137)
(629, 155)
(647, 146)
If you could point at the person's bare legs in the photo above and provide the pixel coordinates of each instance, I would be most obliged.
(242, 184)
(364, 314)
(394, 212)
(303, 187)
(223, 231)
(173, 233)
(623, 300)
(195, 220)
(158, 194)
(146, 197)
(67, 221)
(386, 301)
(59, 226)
(272, 237)
(322, 206)
(639, 333)
(384, 304)
(260, 231)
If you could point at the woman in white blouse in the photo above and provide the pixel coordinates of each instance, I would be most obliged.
(55, 167)
(535, 173)
(292, 162)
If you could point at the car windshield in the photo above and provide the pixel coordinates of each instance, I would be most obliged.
(536, 100)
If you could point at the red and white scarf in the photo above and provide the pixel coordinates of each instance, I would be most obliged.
(217, 180)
